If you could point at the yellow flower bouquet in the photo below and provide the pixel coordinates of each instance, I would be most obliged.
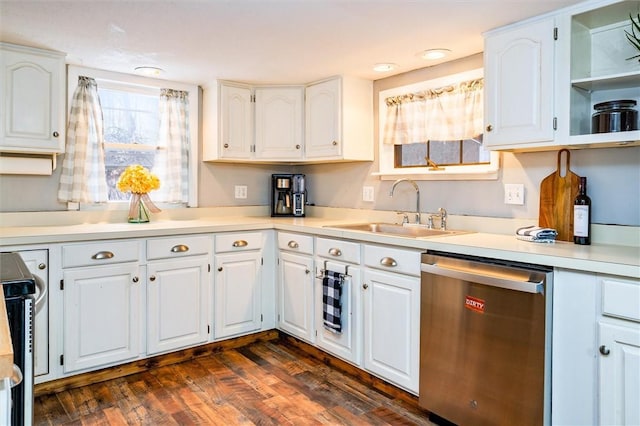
(139, 181)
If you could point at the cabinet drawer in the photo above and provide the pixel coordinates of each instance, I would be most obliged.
(238, 241)
(392, 259)
(295, 242)
(621, 298)
(345, 251)
(100, 253)
(163, 248)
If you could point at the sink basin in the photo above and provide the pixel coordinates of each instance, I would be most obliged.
(413, 231)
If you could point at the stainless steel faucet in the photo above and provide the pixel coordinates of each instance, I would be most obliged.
(415, 186)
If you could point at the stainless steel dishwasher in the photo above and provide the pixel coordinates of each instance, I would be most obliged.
(484, 340)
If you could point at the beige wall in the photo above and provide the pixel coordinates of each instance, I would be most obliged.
(613, 175)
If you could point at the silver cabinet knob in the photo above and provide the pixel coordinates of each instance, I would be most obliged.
(293, 244)
(220, 269)
(306, 271)
(226, 145)
(135, 279)
(335, 252)
(152, 278)
(334, 143)
(297, 146)
(365, 286)
(42, 266)
(604, 350)
(56, 134)
(489, 127)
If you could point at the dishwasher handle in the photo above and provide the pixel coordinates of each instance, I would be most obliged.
(494, 281)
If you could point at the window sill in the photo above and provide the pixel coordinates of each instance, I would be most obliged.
(449, 173)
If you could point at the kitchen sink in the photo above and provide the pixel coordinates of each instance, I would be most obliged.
(414, 231)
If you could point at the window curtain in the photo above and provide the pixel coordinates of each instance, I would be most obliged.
(172, 160)
(83, 178)
(450, 113)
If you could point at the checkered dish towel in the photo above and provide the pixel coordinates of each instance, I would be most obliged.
(332, 301)
(536, 234)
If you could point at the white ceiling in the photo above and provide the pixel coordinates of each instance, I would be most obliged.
(259, 41)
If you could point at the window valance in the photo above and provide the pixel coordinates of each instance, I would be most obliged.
(453, 112)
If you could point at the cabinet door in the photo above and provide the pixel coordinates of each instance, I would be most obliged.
(519, 95)
(295, 295)
(322, 121)
(238, 293)
(101, 315)
(619, 374)
(346, 344)
(279, 123)
(236, 122)
(32, 108)
(177, 303)
(392, 327)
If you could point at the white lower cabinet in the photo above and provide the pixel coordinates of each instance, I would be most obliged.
(596, 349)
(238, 284)
(295, 285)
(343, 257)
(102, 321)
(177, 303)
(391, 303)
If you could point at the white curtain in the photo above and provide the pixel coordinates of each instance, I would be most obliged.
(83, 179)
(450, 113)
(172, 160)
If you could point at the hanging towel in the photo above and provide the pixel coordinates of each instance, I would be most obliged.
(332, 301)
(537, 234)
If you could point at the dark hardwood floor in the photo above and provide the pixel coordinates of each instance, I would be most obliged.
(264, 383)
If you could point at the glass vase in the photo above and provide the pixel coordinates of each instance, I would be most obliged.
(140, 212)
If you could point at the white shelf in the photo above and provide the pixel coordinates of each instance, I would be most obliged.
(608, 82)
(609, 139)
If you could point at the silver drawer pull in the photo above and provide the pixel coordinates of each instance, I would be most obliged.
(335, 252)
(293, 244)
(102, 255)
(180, 248)
(240, 243)
(388, 261)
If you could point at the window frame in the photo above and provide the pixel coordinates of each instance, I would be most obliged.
(386, 153)
(130, 81)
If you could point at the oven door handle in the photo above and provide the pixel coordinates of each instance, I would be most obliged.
(41, 291)
(494, 281)
(16, 376)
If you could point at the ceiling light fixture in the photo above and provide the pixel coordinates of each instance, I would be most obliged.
(384, 67)
(432, 54)
(149, 71)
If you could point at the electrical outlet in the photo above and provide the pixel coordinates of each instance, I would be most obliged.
(241, 191)
(367, 194)
(514, 193)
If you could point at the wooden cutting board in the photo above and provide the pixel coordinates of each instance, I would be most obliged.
(557, 194)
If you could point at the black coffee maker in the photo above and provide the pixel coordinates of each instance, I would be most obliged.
(288, 195)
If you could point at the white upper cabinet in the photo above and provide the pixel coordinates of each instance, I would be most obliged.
(279, 122)
(32, 84)
(339, 120)
(600, 69)
(228, 122)
(519, 95)
(544, 76)
(329, 120)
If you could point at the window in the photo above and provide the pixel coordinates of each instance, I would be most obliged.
(130, 109)
(131, 125)
(409, 155)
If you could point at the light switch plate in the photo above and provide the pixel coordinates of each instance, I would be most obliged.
(367, 194)
(514, 193)
(241, 191)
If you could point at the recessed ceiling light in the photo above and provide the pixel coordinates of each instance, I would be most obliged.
(149, 71)
(384, 67)
(432, 54)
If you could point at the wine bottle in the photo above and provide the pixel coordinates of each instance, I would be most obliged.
(582, 215)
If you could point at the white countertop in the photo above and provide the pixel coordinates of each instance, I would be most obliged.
(600, 258)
